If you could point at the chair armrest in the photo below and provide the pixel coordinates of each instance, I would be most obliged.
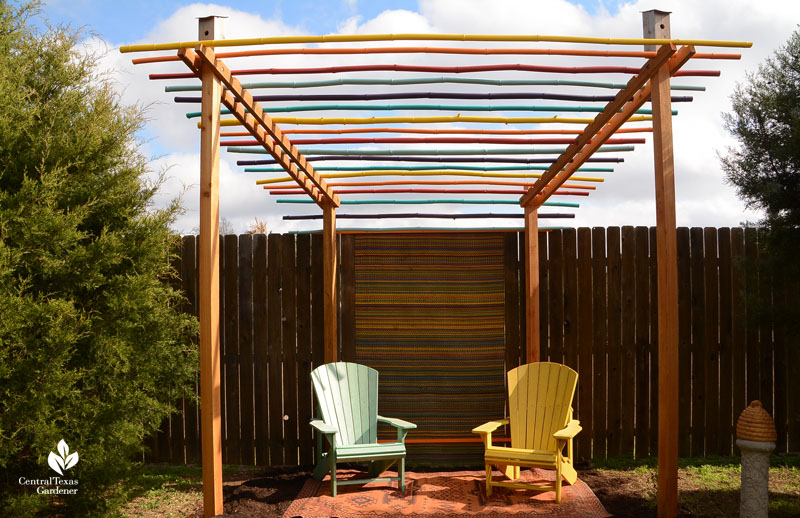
(569, 431)
(397, 423)
(490, 426)
(321, 427)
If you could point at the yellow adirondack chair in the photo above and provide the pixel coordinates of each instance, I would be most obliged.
(540, 415)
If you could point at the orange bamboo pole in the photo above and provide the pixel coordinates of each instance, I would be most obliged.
(321, 131)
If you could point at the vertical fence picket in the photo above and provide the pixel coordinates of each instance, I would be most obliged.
(642, 340)
(739, 325)
(260, 349)
(246, 396)
(698, 336)
(726, 378)
(304, 402)
(711, 339)
(556, 295)
(600, 329)
(570, 257)
(653, 403)
(231, 330)
(274, 349)
(614, 283)
(289, 346)
(585, 382)
(628, 372)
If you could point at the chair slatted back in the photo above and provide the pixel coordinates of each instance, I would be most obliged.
(539, 400)
(347, 399)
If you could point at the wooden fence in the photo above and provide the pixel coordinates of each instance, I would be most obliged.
(598, 315)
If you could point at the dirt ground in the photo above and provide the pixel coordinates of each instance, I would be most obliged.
(625, 493)
(270, 493)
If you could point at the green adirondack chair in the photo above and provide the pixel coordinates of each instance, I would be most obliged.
(347, 402)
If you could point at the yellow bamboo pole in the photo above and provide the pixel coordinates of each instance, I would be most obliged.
(342, 38)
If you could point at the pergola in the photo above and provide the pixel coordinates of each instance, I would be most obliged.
(663, 58)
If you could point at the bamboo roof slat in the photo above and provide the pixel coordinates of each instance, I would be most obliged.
(429, 173)
(470, 69)
(275, 191)
(435, 152)
(431, 120)
(433, 159)
(347, 38)
(433, 140)
(437, 50)
(407, 215)
(341, 81)
(432, 95)
(431, 201)
(438, 131)
(429, 168)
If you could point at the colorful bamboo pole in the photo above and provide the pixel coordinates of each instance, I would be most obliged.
(345, 38)
(434, 152)
(431, 120)
(276, 191)
(428, 168)
(433, 159)
(341, 81)
(490, 215)
(429, 173)
(430, 201)
(472, 69)
(433, 140)
(438, 131)
(488, 96)
(432, 182)
(437, 50)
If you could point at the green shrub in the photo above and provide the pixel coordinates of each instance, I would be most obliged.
(93, 347)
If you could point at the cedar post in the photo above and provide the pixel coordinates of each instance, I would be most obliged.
(331, 303)
(531, 284)
(656, 25)
(208, 296)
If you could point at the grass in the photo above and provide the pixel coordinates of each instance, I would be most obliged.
(164, 491)
(709, 486)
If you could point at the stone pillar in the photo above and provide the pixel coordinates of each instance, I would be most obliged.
(755, 432)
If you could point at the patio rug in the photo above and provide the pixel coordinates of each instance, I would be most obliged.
(449, 494)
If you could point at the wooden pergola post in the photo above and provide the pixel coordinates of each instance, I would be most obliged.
(208, 296)
(656, 25)
(331, 303)
(532, 332)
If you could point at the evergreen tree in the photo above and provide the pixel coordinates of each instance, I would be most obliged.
(765, 169)
(93, 346)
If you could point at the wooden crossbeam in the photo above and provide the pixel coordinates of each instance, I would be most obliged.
(635, 84)
(676, 62)
(250, 114)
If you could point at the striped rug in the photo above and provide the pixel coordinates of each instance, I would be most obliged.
(429, 317)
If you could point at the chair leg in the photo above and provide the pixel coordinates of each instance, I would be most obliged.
(558, 482)
(401, 468)
(333, 478)
(488, 480)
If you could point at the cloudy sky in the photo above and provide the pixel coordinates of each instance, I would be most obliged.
(625, 198)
